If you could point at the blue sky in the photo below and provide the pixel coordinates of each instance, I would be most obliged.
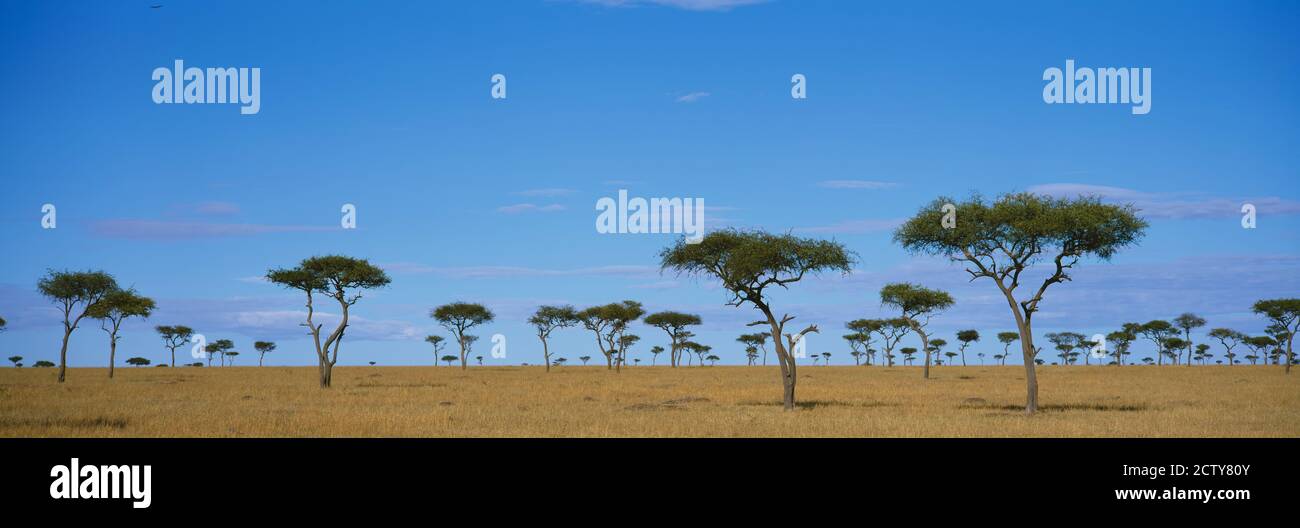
(386, 105)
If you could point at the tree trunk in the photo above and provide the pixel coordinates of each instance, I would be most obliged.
(546, 355)
(112, 355)
(326, 374)
(1290, 356)
(925, 345)
(173, 357)
(63, 354)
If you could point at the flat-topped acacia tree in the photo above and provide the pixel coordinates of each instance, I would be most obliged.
(860, 334)
(438, 342)
(262, 347)
(114, 308)
(174, 337)
(75, 293)
(891, 332)
(1284, 314)
(1001, 240)
(458, 318)
(610, 322)
(1188, 322)
(749, 262)
(758, 340)
(337, 277)
(1006, 338)
(674, 324)
(917, 304)
(546, 320)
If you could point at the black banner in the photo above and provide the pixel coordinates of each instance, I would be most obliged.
(1182, 476)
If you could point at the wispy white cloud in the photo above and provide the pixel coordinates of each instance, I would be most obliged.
(870, 225)
(171, 230)
(689, 5)
(1171, 205)
(479, 272)
(692, 97)
(530, 208)
(549, 192)
(856, 184)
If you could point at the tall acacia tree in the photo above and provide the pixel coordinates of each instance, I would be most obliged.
(749, 262)
(337, 277)
(262, 348)
(114, 308)
(1000, 240)
(967, 337)
(1188, 322)
(75, 293)
(174, 337)
(458, 318)
(1284, 313)
(674, 324)
(917, 304)
(546, 320)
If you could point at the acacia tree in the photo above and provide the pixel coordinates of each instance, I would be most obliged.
(917, 304)
(747, 263)
(610, 322)
(340, 278)
(999, 241)
(219, 348)
(1284, 313)
(674, 324)
(758, 340)
(1122, 339)
(1158, 332)
(174, 337)
(625, 342)
(546, 320)
(1229, 338)
(262, 347)
(967, 337)
(1006, 338)
(458, 318)
(1188, 322)
(448, 359)
(907, 352)
(114, 308)
(654, 354)
(891, 332)
(861, 331)
(438, 343)
(1259, 345)
(75, 293)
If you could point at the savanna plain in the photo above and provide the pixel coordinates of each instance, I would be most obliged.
(591, 401)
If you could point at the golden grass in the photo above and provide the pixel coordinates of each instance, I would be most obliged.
(1173, 401)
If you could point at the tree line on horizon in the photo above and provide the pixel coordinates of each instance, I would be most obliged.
(996, 241)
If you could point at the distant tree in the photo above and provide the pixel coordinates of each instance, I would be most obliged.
(137, 361)
(698, 349)
(458, 318)
(1174, 347)
(1001, 240)
(860, 334)
(438, 343)
(610, 322)
(1122, 339)
(448, 359)
(560, 361)
(1284, 313)
(654, 354)
(75, 293)
(891, 332)
(751, 354)
(967, 337)
(917, 304)
(584, 359)
(219, 348)
(826, 357)
(545, 320)
(675, 325)
(3, 323)
(1158, 332)
(340, 278)
(713, 360)
(231, 355)
(1188, 322)
(1259, 346)
(43, 364)
(1203, 352)
(815, 357)
(480, 360)
(1280, 335)
(16, 360)
(174, 337)
(195, 364)
(262, 347)
(625, 343)
(1006, 338)
(114, 308)
(758, 340)
(372, 363)
(907, 352)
